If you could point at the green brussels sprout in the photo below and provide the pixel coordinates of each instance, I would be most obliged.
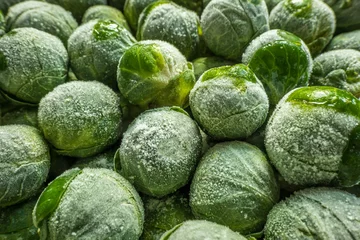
(6, 4)
(203, 64)
(159, 151)
(80, 119)
(182, 29)
(347, 13)
(119, 4)
(24, 163)
(163, 214)
(194, 5)
(32, 63)
(228, 26)
(349, 40)
(133, 9)
(281, 61)
(316, 213)
(338, 68)
(104, 12)
(24, 115)
(312, 137)
(102, 160)
(234, 185)
(226, 96)
(200, 229)
(311, 20)
(154, 73)
(43, 16)
(89, 204)
(2, 24)
(271, 4)
(16, 222)
(95, 49)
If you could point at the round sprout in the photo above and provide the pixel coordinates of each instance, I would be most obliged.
(226, 96)
(347, 14)
(154, 73)
(133, 9)
(338, 68)
(43, 16)
(311, 20)
(95, 49)
(234, 185)
(119, 4)
(230, 25)
(25, 162)
(24, 115)
(317, 213)
(102, 160)
(312, 137)
(80, 119)
(281, 61)
(89, 204)
(349, 40)
(32, 63)
(200, 229)
(103, 12)
(201, 65)
(159, 151)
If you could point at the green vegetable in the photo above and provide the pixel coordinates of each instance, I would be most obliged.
(6, 4)
(159, 151)
(347, 13)
(234, 185)
(102, 160)
(349, 40)
(80, 119)
(133, 9)
(24, 163)
(24, 115)
(2, 24)
(271, 4)
(281, 61)
(203, 64)
(89, 204)
(194, 5)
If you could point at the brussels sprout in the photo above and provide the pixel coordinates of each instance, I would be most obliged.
(311, 20)
(24, 115)
(338, 68)
(200, 229)
(6, 4)
(102, 160)
(226, 96)
(349, 40)
(24, 163)
(119, 4)
(133, 9)
(103, 12)
(89, 204)
(163, 214)
(167, 21)
(43, 16)
(347, 13)
(159, 151)
(281, 61)
(95, 49)
(203, 64)
(16, 222)
(312, 137)
(234, 185)
(80, 119)
(2, 24)
(154, 73)
(32, 63)
(318, 213)
(229, 25)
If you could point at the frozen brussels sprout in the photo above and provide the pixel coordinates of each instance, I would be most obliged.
(229, 26)
(159, 151)
(95, 49)
(338, 68)
(104, 12)
(102, 160)
(281, 61)
(16, 222)
(163, 214)
(32, 63)
(119, 4)
(133, 9)
(200, 229)
(349, 40)
(24, 163)
(347, 13)
(154, 73)
(234, 185)
(6, 4)
(203, 64)
(2, 24)
(43, 16)
(89, 204)
(316, 213)
(80, 119)
(24, 115)
(312, 137)
(311, 20)
(229, 102)
(167, 21)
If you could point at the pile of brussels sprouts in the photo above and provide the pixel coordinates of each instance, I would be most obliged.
(180, 120)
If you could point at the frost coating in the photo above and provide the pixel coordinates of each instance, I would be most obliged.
(24, 163)
(234, 185)
(32, 63)
(80, 118)
(349, 40)
(229, 26)
(316, 213)
(347, 13)
(160, 150)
